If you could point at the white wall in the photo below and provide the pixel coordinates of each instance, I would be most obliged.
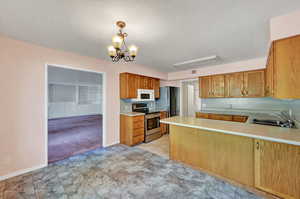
(74, 78)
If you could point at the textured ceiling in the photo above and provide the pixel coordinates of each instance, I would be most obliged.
(166, 31)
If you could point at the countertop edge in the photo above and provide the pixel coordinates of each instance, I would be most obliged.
(234, 133)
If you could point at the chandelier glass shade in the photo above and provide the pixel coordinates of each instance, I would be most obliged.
(119, 50)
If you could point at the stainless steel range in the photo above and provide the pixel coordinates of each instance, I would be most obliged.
(152, 124)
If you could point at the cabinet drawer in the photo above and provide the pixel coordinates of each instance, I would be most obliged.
(238, 118)
(220, 117)
(138, 124)
(137, 139)
(137, 132)
(138, 118)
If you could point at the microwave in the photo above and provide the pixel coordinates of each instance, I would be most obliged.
(145, 95)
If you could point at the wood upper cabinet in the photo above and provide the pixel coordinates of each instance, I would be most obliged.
(212, 86)
(269, 74)
(254, 83)
(234, 85)
(205, 87)
(129, 84)
(218, 86)
(277, 168)
(286, 68)
(156, 88)
(143, 82)
(242, 84)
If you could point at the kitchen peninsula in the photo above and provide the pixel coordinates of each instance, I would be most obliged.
(261, 157)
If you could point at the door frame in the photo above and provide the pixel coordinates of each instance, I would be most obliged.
(181, 93)
(104, 110)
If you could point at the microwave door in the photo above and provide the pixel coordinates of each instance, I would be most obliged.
(145, 96)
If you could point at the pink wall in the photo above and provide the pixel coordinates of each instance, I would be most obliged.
(22, 118)
(285, 26)
(169, 83)
(251, 64)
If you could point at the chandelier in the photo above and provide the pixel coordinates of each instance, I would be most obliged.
(119, 50)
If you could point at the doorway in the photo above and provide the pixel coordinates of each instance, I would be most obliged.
(75, 112)
(190, 98)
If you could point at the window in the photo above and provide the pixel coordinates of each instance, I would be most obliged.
(61, 93)
(89, 95)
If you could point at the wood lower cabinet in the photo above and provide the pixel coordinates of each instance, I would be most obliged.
(234, 118)
(228, 156)
(132, 129)
(239, 118)
(163, 127)
(277, 168)
(220, 117)
(202, 115)
(254, 83)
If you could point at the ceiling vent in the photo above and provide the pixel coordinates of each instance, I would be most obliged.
(196, 62)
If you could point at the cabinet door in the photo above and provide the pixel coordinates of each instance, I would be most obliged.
(143, 83)
(225, 155)
(234, 85)
(163, 127)
(150, 83)
(270, 74)
(277, 168)
(287, 68)
(202, 115)
(156, 88)
(254, 83)
(220, 117)
(218, 86)
(238, 118)
(205, 87)
(128, 85)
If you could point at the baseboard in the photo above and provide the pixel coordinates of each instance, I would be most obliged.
(111, 144)
(20, 172)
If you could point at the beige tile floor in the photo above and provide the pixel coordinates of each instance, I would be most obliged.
(159, 146)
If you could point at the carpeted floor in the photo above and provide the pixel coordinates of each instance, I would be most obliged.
(119, 172)
(73, 135)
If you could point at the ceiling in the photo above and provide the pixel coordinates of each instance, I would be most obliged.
(166, 31)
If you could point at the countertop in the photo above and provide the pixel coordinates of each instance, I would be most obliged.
(252, 114)
(137, 113)
(132, 113)
(270, 133)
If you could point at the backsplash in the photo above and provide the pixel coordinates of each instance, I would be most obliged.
(126, 105)
(259, 104)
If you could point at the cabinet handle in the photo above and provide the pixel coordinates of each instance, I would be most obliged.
(267, 90)
(257, 145)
